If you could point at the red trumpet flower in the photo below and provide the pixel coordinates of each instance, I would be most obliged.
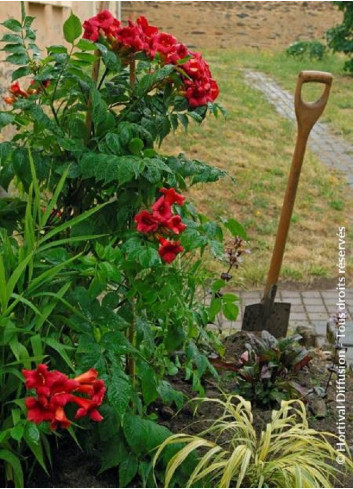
(162, 210)
(169, 250)
(54, 390)
(146, 222)
(171, 196)
(163, 221)
(15, 89)
(87, 377)
(175, 224)
(88, 407)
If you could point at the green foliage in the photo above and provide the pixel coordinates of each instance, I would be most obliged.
(340, 37)
(19, 46)
(314, 50)
(33, 288)
(79, 286)
(266, 370)
(231, 454)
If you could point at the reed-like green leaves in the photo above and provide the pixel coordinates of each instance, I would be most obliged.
(31, 287)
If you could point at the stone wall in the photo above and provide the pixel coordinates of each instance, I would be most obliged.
(237, 24)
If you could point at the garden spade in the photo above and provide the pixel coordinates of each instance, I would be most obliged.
(270, 315)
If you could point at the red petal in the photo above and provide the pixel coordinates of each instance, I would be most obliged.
(85, 389)
(61, 399)
(42, 390)
(95, 415)
(87, 377)
(81, 413)
(39, 414)
(60, 417)
(82, 402)
(30, 402)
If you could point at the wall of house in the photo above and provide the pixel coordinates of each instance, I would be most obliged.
(50, 15)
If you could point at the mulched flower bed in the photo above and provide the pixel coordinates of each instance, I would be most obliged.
(73, 468)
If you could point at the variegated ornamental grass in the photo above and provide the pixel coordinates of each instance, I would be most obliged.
(288, 453)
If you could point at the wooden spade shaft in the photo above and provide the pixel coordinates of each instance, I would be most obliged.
(307, 114)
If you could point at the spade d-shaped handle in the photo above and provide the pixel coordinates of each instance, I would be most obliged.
(307, 114)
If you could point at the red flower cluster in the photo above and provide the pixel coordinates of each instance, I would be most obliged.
(17, 92)
(200, 87)
(162, 220)
(104, 23)
(54, 390)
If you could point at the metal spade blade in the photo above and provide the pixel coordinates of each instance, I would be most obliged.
(276, 324)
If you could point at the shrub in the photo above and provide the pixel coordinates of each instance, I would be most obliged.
(103, 254)
(286, 454)
(340, 37)
(313, 50)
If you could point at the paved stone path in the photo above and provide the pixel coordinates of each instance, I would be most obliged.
(309, 308)
(332, 150)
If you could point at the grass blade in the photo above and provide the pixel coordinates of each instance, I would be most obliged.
(71, 240)
(26, 302)
(59, 348)
(3, 292)
(49, 274)
(50, 307)
(72, 222)
(16, 275)
(15, 464)
(54, 199)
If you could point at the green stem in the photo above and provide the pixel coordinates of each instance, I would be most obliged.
(94, 76)
(132, 74)
(106, 71)
(51, 105)
(130, 360)
(2, 376)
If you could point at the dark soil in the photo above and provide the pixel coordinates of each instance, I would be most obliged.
(316, 374)
(73, 468)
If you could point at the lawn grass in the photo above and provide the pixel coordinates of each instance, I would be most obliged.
(255, 145)
(284, 68)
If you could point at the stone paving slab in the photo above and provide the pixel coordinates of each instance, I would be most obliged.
(313, 301)
(309, 308)
(332, 149)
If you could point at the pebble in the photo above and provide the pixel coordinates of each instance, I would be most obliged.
(327, 355)
(167, 412)
(318, 407)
